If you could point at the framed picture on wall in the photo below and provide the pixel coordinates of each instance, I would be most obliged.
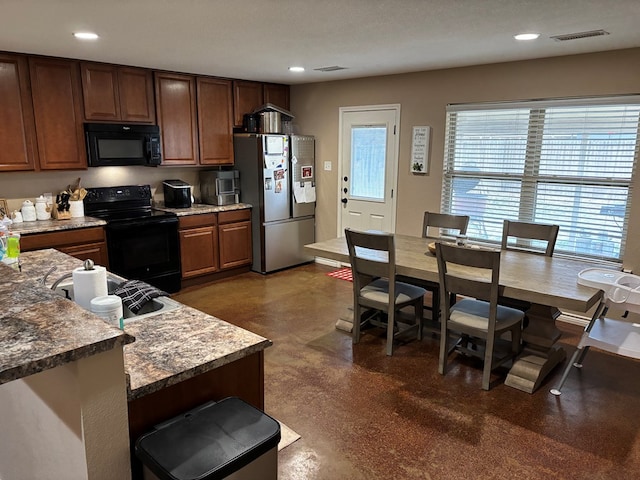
(420, 150)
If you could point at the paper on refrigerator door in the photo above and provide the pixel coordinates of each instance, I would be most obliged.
(305, 193)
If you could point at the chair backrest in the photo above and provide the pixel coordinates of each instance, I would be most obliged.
(372, 255)
(529, 231)
(444, 220)
(472, 272)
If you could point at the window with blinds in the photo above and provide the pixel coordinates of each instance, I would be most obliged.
(564, 162)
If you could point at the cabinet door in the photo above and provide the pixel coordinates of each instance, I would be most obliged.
(57, 105)
(100, 92)
(17, 130)
(199, 251)
(235, 244)
(94, 251)
(176, 111)
(277, 94)
(136, 95)
(247, 96)
(215, 121)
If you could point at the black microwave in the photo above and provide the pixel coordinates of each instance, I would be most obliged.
(110, 144)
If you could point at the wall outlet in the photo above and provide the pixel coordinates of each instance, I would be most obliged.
(327, 166)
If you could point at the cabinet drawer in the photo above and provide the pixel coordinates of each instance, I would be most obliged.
(78, 236)
(234, 216)
(202, 220)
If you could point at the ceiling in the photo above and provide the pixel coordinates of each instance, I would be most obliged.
(260, 39)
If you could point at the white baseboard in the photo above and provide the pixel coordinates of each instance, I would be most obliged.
(327, 261)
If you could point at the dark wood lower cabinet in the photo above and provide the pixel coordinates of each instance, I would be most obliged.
(215, 242)
(82, 243)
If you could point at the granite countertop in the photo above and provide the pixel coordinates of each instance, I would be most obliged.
(198, 208)
(40, 330)
(168, 348)
(43, 226)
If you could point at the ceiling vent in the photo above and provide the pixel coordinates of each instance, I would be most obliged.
(333, 68)
(576, 36)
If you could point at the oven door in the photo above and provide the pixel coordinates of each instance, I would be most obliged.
(146, 249)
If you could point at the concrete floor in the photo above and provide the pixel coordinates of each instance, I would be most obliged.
(364, 415)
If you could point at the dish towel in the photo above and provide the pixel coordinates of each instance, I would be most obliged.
(135, 294)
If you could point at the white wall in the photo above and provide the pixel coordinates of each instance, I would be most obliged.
(67, 423)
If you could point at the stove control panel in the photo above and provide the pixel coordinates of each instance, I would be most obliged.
(118, 194)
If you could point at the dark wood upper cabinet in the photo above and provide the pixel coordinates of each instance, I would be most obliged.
(247, 96)
(215, 121)
(176, 112)
(113, 93)
(136, 95)
(276, 94)
(17, 130)
(57, 105)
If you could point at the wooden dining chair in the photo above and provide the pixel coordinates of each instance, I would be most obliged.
(375, 289)
(529, 238)
(526, 234)
(444, 221)
(475, 273)
(456, 224)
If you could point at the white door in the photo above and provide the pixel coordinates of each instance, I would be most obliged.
(368, 167)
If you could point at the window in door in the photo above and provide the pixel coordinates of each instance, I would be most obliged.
(565, 162)
(368, 155)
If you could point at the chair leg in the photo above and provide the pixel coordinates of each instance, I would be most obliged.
(516, 340)
(356, 322)
(444, 349)
(419, 312)
(391, 317)
(488, 362)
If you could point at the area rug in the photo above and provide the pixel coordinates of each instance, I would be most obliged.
(342, 274)
(287, 436)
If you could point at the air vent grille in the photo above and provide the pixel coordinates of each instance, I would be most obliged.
(333, 68)
(576, 36)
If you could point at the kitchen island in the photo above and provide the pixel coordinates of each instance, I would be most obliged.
(179, 359)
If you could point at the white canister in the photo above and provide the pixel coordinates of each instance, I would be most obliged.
(42, 209)
(17, 216)
(28, 211)
(109, 308)
(76, 208)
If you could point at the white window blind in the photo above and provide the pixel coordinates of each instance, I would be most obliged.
(564, 162)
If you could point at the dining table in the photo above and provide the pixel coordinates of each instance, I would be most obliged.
(547, 285)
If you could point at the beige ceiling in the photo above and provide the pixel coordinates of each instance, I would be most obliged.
(260, 39)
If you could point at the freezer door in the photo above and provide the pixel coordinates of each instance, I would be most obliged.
(303, 175)
(275, 166)
(284, 244)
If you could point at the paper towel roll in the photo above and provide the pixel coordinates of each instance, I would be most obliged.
(88, 284)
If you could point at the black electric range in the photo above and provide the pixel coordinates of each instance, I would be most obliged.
(142, 243)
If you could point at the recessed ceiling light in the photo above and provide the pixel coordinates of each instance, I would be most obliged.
(526, 36)
(86, 35)
(296, 69)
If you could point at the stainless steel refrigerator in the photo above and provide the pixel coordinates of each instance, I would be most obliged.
(277, 177)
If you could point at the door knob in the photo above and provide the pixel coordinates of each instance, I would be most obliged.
(344, 200)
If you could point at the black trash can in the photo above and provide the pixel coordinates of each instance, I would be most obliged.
(229, 440)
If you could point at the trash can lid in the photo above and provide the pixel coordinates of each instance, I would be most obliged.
(209, 442)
